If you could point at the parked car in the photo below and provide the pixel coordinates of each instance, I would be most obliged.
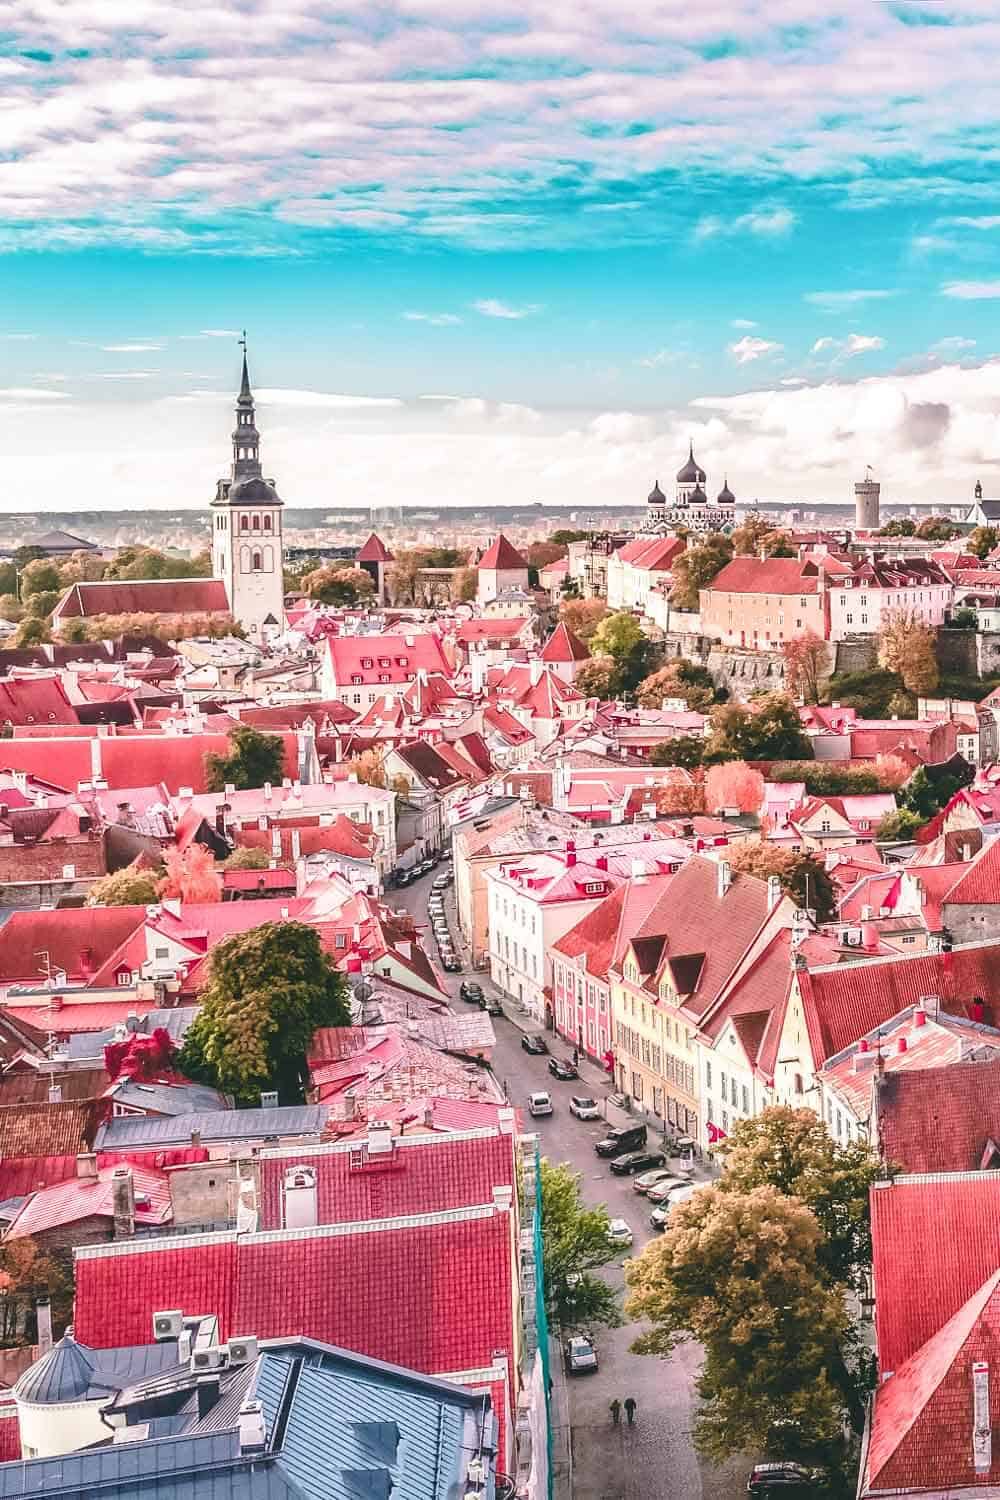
(539, 1103)
(405, 877)
(661, 1213)
(451, 964)
(620, 1234)
(440, 883)
(786, 1479)
(562, 1068)
(653, 1179)
(584, 1108)
(471, 991)
(435, 908)
(536, 1045)
(636, 1161)
(491, 1005)
(426, 867)
(579, 1355)
(666, 1187)
(622, 1138)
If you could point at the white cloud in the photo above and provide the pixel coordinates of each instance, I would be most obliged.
(492, 307)
(747, 349)
(18, 338)
(661, 357)
(972, 291)
(123, 374)
(130, 348)
(31, 393)
(834, 301)
(218, 333)
(954, 345)
(437, 320)
(743, 323)
(765, 222)
(823, 343)
(278, 396)
(848, 348)
(975, 221)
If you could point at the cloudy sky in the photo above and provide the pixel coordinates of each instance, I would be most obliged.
(489, 251)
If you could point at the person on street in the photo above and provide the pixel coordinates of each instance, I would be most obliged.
(576, 1057)
(616, 1412)
(630, 1410)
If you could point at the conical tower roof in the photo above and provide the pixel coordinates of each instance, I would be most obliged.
(65, 1373)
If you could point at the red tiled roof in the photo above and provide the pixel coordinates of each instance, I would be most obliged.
(936, 1239)
(846, 1002)
(35, 700)
(940, 1119)
(773, 575)
(502, 557)
(375, 550)
(77, 940)
(979, 882)
(396, 657)
(82, 1198)
(563, 646)
(498, 629)
(921, 1432)
(159, 596)
(20, 1175)
(47, 1129)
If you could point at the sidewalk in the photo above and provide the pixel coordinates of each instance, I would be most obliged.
(561, 1423)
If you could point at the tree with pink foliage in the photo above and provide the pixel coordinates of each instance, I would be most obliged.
(893, 772)
(734, 784)
(191, 875)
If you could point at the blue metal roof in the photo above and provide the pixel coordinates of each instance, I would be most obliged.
(72, 1371)
(127, 1132)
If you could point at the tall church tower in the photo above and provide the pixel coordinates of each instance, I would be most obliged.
(246, 534)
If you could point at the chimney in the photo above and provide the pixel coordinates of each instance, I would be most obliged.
(296, 843)
(920, 1016)
(196, 1138)
(638, 872)
(570, 853)
(869, 937)
(982, 1432)
(267, 791)
(43, 1323)
(864, 1045)
(379, 1137)
(601, 861)
(230, 789)
(724, 876)
(773, 891)
(978, 1010)
(123, 1202)
(901, 1046)
(86, 1165)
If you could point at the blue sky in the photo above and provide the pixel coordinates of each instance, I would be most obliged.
(494, 251)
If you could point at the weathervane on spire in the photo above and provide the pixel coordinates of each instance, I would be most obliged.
(242, 341)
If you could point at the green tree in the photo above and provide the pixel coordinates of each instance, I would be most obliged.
(906, 646)
(27, 1273)
(792, 1150)
(902, 526)
(680, 678)
(128, 887)
(339, 586)
(268, 990)
(868, 692)
(696, 567)
(802, 876)
(621, 637)
(466, 584)
(982, 540)
(247, 859)
(582, 616)
(806, 661)
(38, 577)
(575, 1243)
(32, 632)
(769, 728)
(24, 555)
(599, 678)
(8, 578)
(749, 537)
(937, 529)
(685, 750)
(563, 537)
(253, 759)
(136, 563)
(738, 1274)
(899, 825)
(964, 619)
(11, 608)
(39, 606)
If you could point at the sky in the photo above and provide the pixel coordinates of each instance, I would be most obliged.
(497, 252)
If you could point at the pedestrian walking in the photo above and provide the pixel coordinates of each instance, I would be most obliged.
(576, 1057)
(616, 1412)
(630, 1410)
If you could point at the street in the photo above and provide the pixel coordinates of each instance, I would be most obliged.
(655, 1458)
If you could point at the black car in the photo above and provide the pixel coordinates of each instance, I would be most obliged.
(491, 1006)
(536, 1045)
(450, 964)
(562, 1068)
(624, 1138)
(471, 992)
(405, 877)
(637, 1161)
(786, 1479)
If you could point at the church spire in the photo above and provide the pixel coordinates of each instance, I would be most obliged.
(246, 438)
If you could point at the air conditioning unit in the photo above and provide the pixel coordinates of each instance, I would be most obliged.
(206, 1359)
(242, 1351)
(167, 1325)
(852, 937)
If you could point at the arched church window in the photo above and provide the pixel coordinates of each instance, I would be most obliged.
(256, 523)
(257, 564)
(244, 523)
(267, 523)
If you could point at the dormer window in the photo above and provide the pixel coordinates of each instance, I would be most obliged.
(383, 677)
(366, 662)
(404, 661)
(384, 661)
(593, 888)
(356, 679)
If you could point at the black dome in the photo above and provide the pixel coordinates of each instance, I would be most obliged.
(726, 496)
(656, 495)
(698, 496)
(253, 491)
(691, 473)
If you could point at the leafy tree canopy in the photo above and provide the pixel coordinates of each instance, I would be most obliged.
(253, 759)
(599, 678)
(247, 859)
(574, 1244)
(32, 632)
(268, 990)
(128, 887)
(982, 540)
(582, 616)
(767, 729)
(686, 750)
(696, 567)
(898, 826)
(803, 878)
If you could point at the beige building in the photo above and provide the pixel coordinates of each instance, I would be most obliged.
(759, 603)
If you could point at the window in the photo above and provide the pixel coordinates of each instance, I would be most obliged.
(267, 523)
(367, 663)
(161, 952)
(340, 941)
(722, 1085)
(746, 1100)
(733, 1093)
(798, 1084)
(708, 1076)
(256, 523)
(257, 563)
(244, 523)
(124, 976)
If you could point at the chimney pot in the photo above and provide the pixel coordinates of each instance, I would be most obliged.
(920, 1016)
(902, 1046)
(864, 1045)
(977, 1010)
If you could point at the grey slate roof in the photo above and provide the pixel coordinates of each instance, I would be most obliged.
(92, 1044)
(125, 1133)
(72, 1371)
(172, 1468)
(170, 1099)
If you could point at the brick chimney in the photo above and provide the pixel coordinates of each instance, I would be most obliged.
(123, 1202)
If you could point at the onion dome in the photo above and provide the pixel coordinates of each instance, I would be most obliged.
(697, 496)
(253, 491)
(691, 473)
(726, 496)
(656, 495)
